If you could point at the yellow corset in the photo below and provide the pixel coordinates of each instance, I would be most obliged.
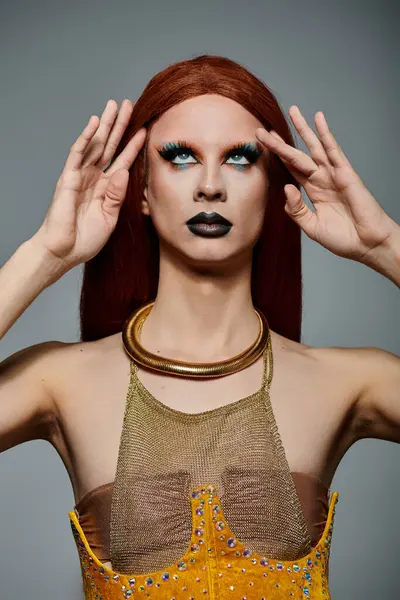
(216, 565)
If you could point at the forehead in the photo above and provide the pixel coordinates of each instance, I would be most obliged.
(208, 118)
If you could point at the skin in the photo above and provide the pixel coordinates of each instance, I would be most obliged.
(333, 397)
(212, 316)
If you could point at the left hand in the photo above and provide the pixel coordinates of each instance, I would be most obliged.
(348, 220)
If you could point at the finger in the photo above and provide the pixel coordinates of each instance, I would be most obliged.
(308, 136)
(117, 132)
(297, 210)
(294, 157)
(129, 153)
(276, 134)
(115, 192)
(332, 148)
(96, 148)
(300, 177)
(78, 149)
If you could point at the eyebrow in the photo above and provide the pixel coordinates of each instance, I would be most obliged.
(234, 146)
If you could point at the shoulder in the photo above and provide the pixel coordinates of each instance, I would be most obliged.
(33, 383)
(76, 372)
(58, 368)
(72, 360)
(361, 366)
(368, 379)
(329, 371)
(373, 376)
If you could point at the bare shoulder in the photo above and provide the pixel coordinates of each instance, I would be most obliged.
(73, 363)
(322, 360)
(375, 377)
(84, 375)
(86, 382)
(368, 379)
(331, 370)
(28, 384)
(358, 365)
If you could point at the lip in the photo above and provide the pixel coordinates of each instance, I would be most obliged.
(212, 218)
(209, 230)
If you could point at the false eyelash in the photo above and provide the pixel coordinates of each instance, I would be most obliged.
(172, 149)
(250, 151)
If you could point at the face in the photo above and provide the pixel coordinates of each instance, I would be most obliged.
(203, 156)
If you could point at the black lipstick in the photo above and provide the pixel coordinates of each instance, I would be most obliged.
(209, 224)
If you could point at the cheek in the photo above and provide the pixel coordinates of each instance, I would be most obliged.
(167, 197)
(164, 183)
(253, 221)
(250, 216)
(250, 219)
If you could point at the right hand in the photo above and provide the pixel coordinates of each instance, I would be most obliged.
(87, 200)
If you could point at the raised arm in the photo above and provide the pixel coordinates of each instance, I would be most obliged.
(376, 376)
(83, 213)
(351, 223)
(348, 220)
(27, 406)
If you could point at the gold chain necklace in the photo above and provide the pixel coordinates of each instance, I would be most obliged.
(130, 338)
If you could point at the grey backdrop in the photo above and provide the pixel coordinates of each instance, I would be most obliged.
(60, 63)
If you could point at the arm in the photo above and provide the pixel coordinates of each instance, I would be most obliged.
(348, 220)
(81, 218)
(385, 259)
(26, 405)
(27, 409)
(378, 382)
(24, 276)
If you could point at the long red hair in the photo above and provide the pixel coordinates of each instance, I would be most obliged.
(124, 274)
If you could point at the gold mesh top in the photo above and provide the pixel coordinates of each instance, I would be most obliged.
(94, 511)
(164, 453)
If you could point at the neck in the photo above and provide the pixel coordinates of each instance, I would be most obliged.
(199, 315)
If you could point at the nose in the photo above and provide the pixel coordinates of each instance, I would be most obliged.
(210, 191)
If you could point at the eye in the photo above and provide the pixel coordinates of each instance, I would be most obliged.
(177, 154)
(240, 156)
(184, 155)
(243, 155)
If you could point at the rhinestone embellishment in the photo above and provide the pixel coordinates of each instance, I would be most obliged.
(210, 554)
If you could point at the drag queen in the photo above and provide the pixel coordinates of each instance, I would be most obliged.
(200, 435)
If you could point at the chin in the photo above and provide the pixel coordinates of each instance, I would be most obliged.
(213, 253)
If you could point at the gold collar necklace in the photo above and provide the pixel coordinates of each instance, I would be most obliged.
(130, 337)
